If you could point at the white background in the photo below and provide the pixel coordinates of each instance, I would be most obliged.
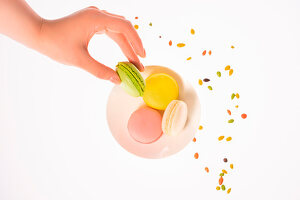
(55, 142)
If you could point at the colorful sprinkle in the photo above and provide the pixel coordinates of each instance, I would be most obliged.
(218, 188)
(194, 139)
(231, 121)
(196, 155)
(231, 166)
(150, 24)
(192, 31)
(237, 95)
(232, 96)
(136, 17)
(159, 36)
(200, 82)
(230, 72)
(237, 106)
(200, 127)
(209, 53)
(244, 116)
(136, 26)
(225, 159)
(228, 139)
(170, 43)
(206, 169)
(229, 112)
(203, 53)
(219, 74)
(221, 138)
(206, 80)
(224, 171)
(221, 174)
(221, 180)
(180, 45)
(223, 187)
(232, 47)
(227, 67)
(189, 58)
(229, 190)
(209, 87)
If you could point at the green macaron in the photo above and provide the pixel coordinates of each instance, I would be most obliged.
(132, 81)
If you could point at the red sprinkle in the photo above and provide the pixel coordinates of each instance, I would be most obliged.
(209, 52)
(244, 116)
(170, 42)
(136, 17)
(196, 155)
(206, 169)
(221, 180)
(203, 53)
(194, 140)
(229, 112)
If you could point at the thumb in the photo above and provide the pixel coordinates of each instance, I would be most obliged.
(98, 69)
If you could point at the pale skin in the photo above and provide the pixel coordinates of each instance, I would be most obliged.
(66, 39)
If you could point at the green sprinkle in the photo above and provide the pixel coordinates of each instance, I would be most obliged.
(223, 187)
(219, 74)
(150, 24)
(232, 96)
(231, 121)
(221, 174)
(209, 87)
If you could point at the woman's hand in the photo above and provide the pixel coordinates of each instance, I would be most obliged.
(66, 40)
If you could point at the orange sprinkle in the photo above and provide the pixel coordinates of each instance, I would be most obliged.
(224, 171)
(206, 169)
(196, 155)
(229, 112)
(136, 18)
(136, 26)
(227, 67)
(221, 180)
(228, 139)
(194, 139)
(192, 31)
(200, 82)
(200, 127)
(189, 58)
(237, 95)
(232, 47)
(170, 42)
(231, 166)
(203, 53)
(244, 116)
(221, 138)
(180, 45)
(237, 106)
(230, 72)
(209, 52)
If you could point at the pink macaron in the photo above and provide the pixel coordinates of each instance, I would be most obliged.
(144, 125)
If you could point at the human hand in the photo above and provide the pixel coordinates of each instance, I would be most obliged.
(66, 40)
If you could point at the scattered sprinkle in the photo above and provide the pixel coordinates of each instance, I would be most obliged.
(159, 36)
(209, 52)
(232, 47)
(194, 139)
(224, 171)
(150, 24)
(218, 188)
(180, 45)
(196, 155)
(231, 166)
(136, 26)
(237, 106)
(221, 174)
(203, 53)
(218, 74)
(244, 116)
(170, 42)
(225, 159)
(136, 17)
(229, 112)
(206, 80)
(200, 82)
(232, 96)
(192, 31)
(206, 169)
(230, 72)
(237, 95)
(221, 138)
(229, 190)
(227, 67)
(228, 139)
(189, 58)
(231, 121)
(223, 187)
(221, 180)
(200, 127)
(209, 87)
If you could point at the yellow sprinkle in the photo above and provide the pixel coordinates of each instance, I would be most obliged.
(136, 26)
(218, 188)
(232, 47)
(228, 139)
(224, 171)
(221, 138)
(231, 166)
(200, 127)
(192, 31)
(200, 82)
(180, 45)
(227, 67)
(229, 190)
(189, 58)
(237, 106)
(237, 95)
(230, 72)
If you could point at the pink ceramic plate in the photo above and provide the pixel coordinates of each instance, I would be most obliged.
(120, 106)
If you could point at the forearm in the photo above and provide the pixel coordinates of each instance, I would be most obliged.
(19, 22)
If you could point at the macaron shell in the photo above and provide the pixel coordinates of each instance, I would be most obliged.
(127, 83)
